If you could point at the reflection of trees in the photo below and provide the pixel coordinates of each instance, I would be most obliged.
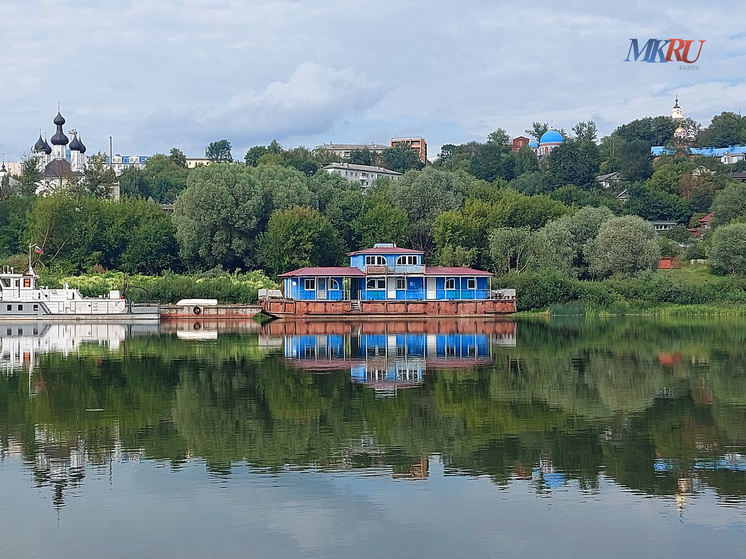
(575, 399)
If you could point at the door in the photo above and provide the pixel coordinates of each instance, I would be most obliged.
(391, 289)
(321, 289)
(431, 288)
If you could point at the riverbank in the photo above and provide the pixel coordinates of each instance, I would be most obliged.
(690, 291)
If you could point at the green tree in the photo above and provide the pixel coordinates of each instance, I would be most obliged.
(30, 174)
(380, 221)
(727, 249)
(98, 177)
(537, 130)
(178, 158)
(217, 217)
(401, 159)
(499, 136)
(729, 203)
(219, 152)
(361, 157)
(299, 237)
(283, 188)
(511, 249)
(624, 246)
(574, 162)
(423, 195)
(726, 129)
(585, 131)
(165, 178)
(252, 156)
(493, 161)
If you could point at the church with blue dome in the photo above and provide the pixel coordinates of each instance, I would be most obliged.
(548, 141)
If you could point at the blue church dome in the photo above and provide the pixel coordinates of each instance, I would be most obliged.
(551, 136)
(533, 144)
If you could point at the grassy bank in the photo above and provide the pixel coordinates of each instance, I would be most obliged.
(690, 291)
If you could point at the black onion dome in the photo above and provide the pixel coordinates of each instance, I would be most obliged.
(39, 145)
(82, 147)
(59, 120)
(59, 138)
(47, 148)
(75, 145)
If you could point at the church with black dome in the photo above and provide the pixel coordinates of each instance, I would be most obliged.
(54, 165)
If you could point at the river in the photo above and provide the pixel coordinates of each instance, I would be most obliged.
(453, 438)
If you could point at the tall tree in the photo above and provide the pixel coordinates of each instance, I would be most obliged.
(177, 157)
(624, 246)
(219, 152)
(299, 237)
(217, 217)
(537, 130)
(401, 159)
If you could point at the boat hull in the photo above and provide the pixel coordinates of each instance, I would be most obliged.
(337, 309)
(209, 312)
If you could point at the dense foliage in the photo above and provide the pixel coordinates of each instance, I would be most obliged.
(478, 204)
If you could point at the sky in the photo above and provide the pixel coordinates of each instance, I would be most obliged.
(157, 74)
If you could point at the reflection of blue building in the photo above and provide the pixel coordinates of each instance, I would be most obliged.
(388, 361)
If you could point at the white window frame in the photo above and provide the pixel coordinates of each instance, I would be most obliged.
(401, 284)
(451, 282)
(375, 260)
(471, 283)
(407, 260)
(379, 284)
(333, 284)
(309, 282)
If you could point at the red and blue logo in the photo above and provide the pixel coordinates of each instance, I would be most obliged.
(664, 50)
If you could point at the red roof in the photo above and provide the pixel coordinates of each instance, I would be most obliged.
(454, 271)
(386, 250)
(328, 271)
(706, 219)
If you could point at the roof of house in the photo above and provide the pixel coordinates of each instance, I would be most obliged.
(324, 271)
(454, 271)
(386, 250)
(364, 168)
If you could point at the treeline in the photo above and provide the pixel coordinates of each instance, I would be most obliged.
(478, 204)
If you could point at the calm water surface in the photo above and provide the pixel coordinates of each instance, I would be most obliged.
(613, 438)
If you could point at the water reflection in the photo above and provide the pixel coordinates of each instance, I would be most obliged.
(391, 356)
(657, 407)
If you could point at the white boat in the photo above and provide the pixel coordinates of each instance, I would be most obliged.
(21, 297)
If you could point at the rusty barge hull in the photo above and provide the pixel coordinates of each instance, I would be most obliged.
(387, 309)
(209, 312)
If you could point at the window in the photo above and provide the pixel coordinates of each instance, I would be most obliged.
(26, 282)
(400, 283)
(409, 260)
(375, 283)
(309, 284)
(9, 307)
(450, 283)
(471, 283)
(20, 307)
(36, 307)
(375, 261)
(333, 284)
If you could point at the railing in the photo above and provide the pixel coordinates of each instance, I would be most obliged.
(439, 294)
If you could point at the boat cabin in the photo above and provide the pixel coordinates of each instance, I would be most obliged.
(387, 273)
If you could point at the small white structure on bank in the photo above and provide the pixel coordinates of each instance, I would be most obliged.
(363, 174)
